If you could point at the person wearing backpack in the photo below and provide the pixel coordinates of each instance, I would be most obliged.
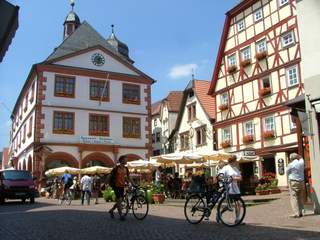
(118, 177)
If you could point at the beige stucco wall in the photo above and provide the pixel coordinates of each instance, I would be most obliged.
(309, 17)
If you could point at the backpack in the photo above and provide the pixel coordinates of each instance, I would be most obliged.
(113, 175)
(69, 182)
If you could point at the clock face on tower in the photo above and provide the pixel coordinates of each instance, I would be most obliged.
(97, 59)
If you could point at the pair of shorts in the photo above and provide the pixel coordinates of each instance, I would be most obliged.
(119, 192)
(235, 196)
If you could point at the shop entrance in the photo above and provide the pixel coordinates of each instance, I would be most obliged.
(248, 183)
(269, 165)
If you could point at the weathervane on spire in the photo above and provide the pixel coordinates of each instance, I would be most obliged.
(72, 3)
(192, 75)
(112, 28)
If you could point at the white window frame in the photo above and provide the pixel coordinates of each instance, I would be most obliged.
(241, 25)
(251, 131)
(232, 60)
(269, 79)
(287, 39)
(246, 53)
(224, 98)
(269, 126)
(283, 2)
(258, 15)
(290, 74)
(261, 46)
(226, 135)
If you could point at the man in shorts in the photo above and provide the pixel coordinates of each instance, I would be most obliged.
(121, 177)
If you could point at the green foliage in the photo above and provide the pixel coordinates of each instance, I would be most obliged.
(109, 195)
(157, 188)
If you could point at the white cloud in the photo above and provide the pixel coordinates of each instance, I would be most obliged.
(184, 70)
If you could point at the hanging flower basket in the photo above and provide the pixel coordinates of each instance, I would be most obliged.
(232, 68)
(264, 91)
(223, 107)
(268, 134)
(247, 139)
(245, 63)
(225, 144)
(261, 55)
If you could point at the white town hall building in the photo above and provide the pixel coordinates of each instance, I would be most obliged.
(85, 105)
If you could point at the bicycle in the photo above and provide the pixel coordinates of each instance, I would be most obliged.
(230, 211)
(66, 197)
(135, 199)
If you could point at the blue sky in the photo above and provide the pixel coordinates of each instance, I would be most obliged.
(166, 39)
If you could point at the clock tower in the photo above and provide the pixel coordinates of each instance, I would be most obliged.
(71, 23)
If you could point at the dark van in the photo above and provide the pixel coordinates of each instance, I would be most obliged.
(16, 184)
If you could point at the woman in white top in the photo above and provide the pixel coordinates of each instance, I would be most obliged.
(231, 170)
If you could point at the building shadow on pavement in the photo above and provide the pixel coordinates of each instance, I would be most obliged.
(87, 224)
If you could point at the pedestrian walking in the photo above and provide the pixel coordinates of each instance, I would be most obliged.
(96, 185)
(86, 188)
(295, 172)
(118, 177)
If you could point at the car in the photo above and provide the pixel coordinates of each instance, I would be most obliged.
(17, 184)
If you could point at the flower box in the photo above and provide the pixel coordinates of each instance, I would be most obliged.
(245, 63)
(274, 191)
(261, 55)
(225, 144)
(268, 135)
(247, 139)
(158, 198)
(232, 68)
(262, 192)
(223, 107)
(264, 91)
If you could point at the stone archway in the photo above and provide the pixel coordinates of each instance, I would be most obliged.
(132, 157)
(60, 159)
(97, 159)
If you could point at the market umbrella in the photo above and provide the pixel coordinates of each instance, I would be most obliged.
(96, 169)
(142, 164)
(179, 158)
(61, 170)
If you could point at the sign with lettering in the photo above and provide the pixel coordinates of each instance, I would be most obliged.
(250, 152)
(281, 166)
(96, 140)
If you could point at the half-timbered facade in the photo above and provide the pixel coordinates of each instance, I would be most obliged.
(193, 131)
(256, 73)
(85, 105)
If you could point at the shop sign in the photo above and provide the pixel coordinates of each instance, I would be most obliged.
(249, 153)
(281, 166)
(96, 140)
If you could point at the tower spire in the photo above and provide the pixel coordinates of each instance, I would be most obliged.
(112, 28)
(72, 3)
(72, 22)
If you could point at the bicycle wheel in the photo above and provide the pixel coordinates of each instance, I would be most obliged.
(231, 211)
(194, 209)
(140, 207)
(125, 206)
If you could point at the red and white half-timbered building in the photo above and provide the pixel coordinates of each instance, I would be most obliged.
(256, 73)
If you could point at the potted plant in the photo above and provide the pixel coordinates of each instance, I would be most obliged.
(268, 134)
(158, 193)
(264, 91)
(232, 68)
(245, 62)
(247, 139)
(109, 195)
(273, 188)
(223, 107)
(262, 189)
(261, 55)
(225, 144)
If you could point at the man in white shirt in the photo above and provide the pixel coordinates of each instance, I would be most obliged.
(295, 171)
(86, 188)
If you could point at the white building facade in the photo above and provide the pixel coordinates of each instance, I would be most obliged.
(85, 105)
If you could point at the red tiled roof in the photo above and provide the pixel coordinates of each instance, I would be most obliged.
(201, 88)
(155, 108)
(174, 100)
